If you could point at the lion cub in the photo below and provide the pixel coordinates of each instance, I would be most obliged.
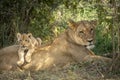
(27, 45)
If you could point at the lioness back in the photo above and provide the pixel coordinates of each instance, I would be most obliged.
(8, 57)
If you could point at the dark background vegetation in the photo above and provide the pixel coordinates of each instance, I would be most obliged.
(48, 18)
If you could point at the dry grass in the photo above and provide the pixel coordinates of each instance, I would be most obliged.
(74, 71)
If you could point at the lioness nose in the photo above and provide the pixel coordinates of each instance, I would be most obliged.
(90, 40)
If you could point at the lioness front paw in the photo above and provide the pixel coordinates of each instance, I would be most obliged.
(20, 63)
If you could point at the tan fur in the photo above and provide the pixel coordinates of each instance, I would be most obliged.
(27, 45)
(68, 47)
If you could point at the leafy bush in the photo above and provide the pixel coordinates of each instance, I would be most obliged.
(48, 19)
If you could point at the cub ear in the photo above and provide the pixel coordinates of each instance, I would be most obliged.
(29, 35)
(39, 40)
(18, 36)
(94, 23)
(72, 24)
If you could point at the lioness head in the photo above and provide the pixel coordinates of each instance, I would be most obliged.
(24, 40)
(83, 32)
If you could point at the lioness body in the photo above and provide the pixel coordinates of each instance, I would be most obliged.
(68, 47)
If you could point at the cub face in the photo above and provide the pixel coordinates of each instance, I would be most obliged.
(24, 40)
(83, 32)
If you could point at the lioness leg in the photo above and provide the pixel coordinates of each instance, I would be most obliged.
(21, 57)
(28, 55)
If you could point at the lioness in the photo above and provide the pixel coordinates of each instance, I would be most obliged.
(27, 45)
(68, 47)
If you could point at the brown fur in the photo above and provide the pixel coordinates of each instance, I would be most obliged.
(68, 47)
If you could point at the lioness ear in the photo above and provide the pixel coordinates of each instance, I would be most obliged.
(29, 35)
(72, 24)
(18, 36)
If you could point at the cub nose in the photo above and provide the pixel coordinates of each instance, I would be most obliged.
(23, 46)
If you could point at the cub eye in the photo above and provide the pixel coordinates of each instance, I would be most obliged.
(27, 40)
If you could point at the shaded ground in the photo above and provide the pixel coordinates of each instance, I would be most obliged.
(74, 71)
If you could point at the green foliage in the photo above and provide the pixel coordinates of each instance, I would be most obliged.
(103, 41)
(48, 18)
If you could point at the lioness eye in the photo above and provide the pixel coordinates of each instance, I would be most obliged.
(91, 30)
(80, 32)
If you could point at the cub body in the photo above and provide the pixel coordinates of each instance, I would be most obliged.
(27, 45)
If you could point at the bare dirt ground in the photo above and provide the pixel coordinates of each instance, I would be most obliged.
(74, 71)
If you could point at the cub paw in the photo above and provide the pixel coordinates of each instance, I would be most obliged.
(20, 63)
(28, 60)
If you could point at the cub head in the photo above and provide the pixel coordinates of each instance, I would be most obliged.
(83, 32)
(24, 40)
